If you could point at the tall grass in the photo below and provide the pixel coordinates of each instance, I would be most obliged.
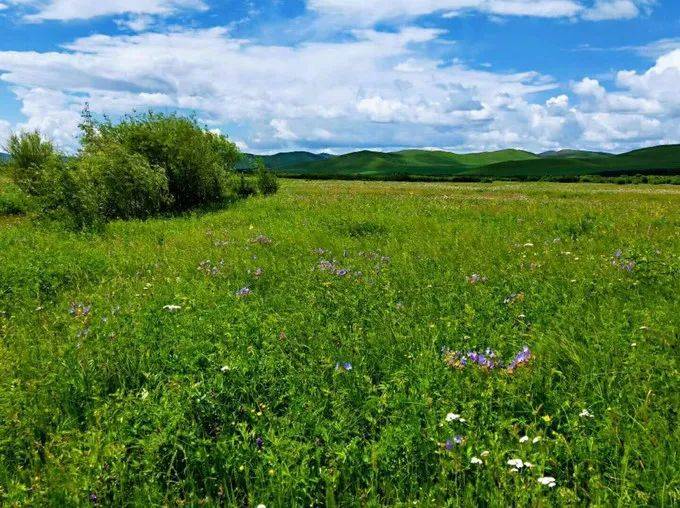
(109, 396)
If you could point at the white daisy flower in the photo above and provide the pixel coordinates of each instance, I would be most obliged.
(536, 439)
(485, 453)
(452, 417)
(547, 480)
(172, 308)
(516, 463)
(476, 460)
(524, 439)
(585, 414)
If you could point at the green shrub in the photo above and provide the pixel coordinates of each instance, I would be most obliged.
(242, 187)
(125, 184)
(197, 162)
(33, 163)
(267, 183)
(13, 201)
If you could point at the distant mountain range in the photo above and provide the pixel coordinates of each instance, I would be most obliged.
(664, 159)
(4, 157)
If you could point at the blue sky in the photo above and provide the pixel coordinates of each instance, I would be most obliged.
(339, 75)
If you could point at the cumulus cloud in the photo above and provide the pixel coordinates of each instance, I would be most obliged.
(65, 10)
(372, 89)
(370, 12)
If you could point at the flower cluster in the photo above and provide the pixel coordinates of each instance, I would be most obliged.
(207, 267)
(262, 240)
(331, 267)
(487, 360)
(475, 278)
(79, 309)
(624, 264)
(246, 291)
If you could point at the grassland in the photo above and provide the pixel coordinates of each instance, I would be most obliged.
(110, 397)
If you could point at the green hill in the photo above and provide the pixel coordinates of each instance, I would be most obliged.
(499, 164)
(4, 157)
(412, 162)
(282, 160)
(573, 154)
(659, 159)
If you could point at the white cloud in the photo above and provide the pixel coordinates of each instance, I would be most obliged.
(65, 10)
(387, 9)
(282, 131)
(360, 11)
(612, 9)
(377, 89)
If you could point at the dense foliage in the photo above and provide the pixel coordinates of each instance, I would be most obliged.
(306, 350)
(136, 168)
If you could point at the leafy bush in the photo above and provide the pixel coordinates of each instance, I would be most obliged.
(34, 163)
(13, 201)
(267, 183)
(242, 187)
(196, 162)
(125, 185)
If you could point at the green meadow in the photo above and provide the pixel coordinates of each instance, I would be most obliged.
(306, 349)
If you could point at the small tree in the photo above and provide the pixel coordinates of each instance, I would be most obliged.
(33, 163)
(267, 182)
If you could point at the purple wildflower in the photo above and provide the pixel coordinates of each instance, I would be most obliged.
(342, 272)
(449, 445)
(618, 254)
(343, 367)
(260, 443)
(246, 291)
(522, 358)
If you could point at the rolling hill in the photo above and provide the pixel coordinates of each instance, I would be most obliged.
(4, 157)
(412, 162)
(663, 159)
(282, 160)
(573, 154)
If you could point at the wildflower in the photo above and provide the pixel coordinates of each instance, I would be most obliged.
(172, 308)
(524, 439)
(448, 445)
(522, 358)
(458, 439)
(246, 291)
(452, 417)
(528, 244)
(528, 465)
(618, 254)
(516, 463)
(536, 439)
(547, 480)
(93, 497)
(260, 443)
(320, 251)
(485, 453)
(341, 273)
(225, 368)
(513, 298)
(79, 310)
(261, 506)
(476, 460)
(343, 367)
(475, 278)
(585, 414)
(262, 240)
(326, 266)
(258, 273)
